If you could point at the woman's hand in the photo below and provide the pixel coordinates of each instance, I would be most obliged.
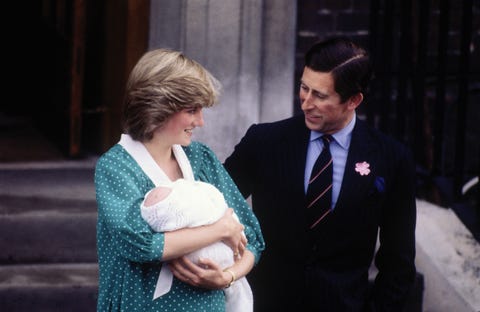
(207, 274)
(233, 233)
(184, 241)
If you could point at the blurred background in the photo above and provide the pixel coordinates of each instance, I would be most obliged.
(68, 60)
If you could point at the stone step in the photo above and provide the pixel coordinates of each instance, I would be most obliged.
(54, 181)
(47, 237)
(47, 212)
(47, 230)
(49, 287)
(449, 257)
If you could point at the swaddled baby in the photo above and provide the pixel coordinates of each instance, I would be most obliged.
(187, 203)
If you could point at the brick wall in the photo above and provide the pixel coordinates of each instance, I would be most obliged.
(426, 91)
(378, 26)
(317, 20)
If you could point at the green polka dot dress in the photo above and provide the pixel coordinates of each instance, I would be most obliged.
(129, 251)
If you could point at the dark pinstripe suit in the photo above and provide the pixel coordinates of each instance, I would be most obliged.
(327, 270)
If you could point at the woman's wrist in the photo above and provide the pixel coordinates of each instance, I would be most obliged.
(232, 279)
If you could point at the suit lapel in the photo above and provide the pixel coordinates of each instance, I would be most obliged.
(296, 144)
(362, 149)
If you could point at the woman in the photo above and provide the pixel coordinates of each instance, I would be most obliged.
(165, 95)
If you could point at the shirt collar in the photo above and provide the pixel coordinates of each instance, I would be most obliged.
(342, 137)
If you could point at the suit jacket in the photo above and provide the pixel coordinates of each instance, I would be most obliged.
(327, 270)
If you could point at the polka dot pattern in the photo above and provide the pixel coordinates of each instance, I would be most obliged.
(129, 251)
(206, 167)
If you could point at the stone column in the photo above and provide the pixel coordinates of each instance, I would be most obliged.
(248, 45)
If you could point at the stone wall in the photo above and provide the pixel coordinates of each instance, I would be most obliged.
(449, 257)
(248, 45)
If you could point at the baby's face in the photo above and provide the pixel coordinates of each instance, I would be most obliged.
(158, 194)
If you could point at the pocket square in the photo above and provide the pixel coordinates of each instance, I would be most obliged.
(379, 184)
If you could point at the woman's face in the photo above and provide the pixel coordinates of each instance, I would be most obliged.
(322, 105)
(179, 127)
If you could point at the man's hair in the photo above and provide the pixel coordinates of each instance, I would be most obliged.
(348, 63)
(162, 83)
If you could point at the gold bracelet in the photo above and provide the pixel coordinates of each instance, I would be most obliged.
(233, 277)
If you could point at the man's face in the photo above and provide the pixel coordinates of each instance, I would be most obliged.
(321, 104)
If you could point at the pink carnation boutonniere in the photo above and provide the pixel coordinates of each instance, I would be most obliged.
(363, 168)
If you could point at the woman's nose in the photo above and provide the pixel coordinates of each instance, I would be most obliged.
(199, 120)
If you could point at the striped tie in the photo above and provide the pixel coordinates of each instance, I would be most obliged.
(319, 191)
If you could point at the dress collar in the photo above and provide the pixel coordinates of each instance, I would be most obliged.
(140, 154)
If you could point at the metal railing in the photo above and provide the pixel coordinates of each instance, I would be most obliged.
(427, 89)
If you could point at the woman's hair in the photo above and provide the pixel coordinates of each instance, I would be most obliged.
(162, 83)
(348, 63)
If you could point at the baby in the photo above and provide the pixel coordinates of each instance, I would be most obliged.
(187, 203)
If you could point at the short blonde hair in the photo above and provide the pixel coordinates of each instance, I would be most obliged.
(162, 83)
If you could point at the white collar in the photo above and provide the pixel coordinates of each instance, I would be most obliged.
(140, 154)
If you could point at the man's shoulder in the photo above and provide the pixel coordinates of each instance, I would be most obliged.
(380, 138)
(280, 127)
(296, 120)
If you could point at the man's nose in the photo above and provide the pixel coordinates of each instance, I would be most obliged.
(306, 100)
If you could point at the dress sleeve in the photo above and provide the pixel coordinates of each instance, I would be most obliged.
(120, 188)
(208, 168)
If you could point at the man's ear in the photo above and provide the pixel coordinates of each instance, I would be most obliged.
(355, 100)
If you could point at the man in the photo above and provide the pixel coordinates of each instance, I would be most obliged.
(322, 265)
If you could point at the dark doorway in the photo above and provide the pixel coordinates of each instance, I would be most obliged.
(68, 66)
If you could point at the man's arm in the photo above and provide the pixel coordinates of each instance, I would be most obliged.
(395, 258)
